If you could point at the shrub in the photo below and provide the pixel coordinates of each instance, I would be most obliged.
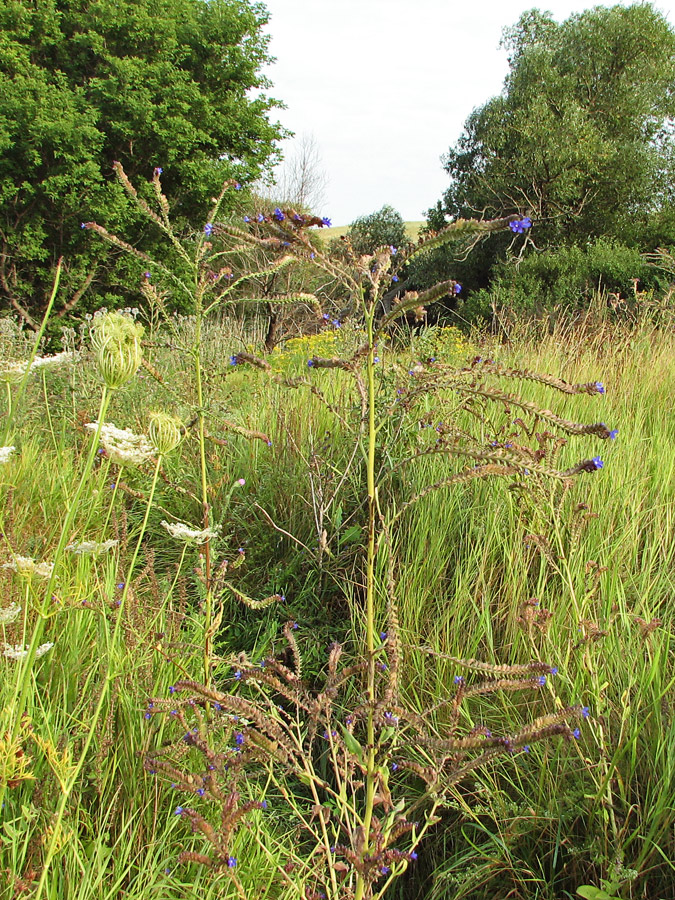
(562, 278)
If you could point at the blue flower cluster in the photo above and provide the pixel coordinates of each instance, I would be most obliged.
(520, 226)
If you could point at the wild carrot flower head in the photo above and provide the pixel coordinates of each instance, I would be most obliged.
(9, 613)
(12, 372)
(188, 535)
(164, 432)
(53, 362)
(26, 567)
(116, 342)
(5, 453)
(123, 446)
(21, 651)
(91, 548)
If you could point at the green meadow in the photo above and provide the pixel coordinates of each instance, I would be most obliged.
(575, 572)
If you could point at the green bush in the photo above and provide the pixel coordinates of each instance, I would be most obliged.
(562, 278)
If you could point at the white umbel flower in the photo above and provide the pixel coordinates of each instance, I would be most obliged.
(20, 651)
(123, 446)
(54, 362)
(188, 535)
(5, 453)
(91, 548)
(9, 613)
(26, 567)
(12, 372)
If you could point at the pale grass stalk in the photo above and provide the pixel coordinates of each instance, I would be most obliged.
(24, 679)
(109, 677)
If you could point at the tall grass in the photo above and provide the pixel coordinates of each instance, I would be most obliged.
(506, 571)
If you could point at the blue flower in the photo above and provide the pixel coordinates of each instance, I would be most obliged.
(393, 250)
(237, 675)
(457, 288)
(585, 711)
(394, 767)
(239, 739)
(172, 689)
(147, 275)
(208, 228)
(260, 218)
(597, 462)
(148, 715)
(458, 679)
(325, 222)
(158, 170)
(310, 363)
(599, 386)
(385, 870)
(201, 791)
(247, 218)
(178, 811)
(576, 733)
(231, 861)
(233, 360)
(541, 681)
(394, 277)
(613, 433)
(520, 226)
(237, 186)
(383, 635)
(278, 215)
(413, 854)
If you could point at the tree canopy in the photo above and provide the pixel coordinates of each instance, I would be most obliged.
(378, 229)
(151, 83)
(581, 137)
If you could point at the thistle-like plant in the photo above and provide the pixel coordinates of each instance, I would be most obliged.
(370, 770)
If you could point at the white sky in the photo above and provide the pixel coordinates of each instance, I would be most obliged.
(384, 88)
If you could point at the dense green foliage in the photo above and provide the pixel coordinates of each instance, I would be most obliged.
(580, 139)
(383, 228)
(151, 83)
(564, 279)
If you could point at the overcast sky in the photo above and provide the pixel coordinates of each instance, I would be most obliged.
(384, 87)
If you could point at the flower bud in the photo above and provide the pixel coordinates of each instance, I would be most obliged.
(164, 431)
(116, 341)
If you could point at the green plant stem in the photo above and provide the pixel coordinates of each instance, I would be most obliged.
(109, 677)
(370, 601)
(208, 601)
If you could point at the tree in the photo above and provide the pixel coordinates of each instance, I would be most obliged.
(302, 181)
(581, 138)
(151, 83)
(379, 229)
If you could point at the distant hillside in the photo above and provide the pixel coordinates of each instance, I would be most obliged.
(412, 228)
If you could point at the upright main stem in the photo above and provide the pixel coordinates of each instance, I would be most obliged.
(370, 602)
(208, 602)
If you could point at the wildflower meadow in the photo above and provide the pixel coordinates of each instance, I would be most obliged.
(375, 608)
